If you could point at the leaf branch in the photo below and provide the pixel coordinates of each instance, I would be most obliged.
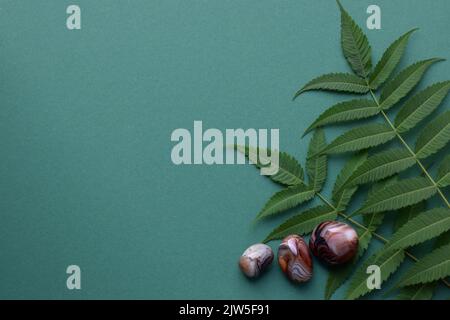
(362, 226)
(410, 150)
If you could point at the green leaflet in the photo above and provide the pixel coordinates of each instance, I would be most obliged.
(373, 220)
(364, 240)
(337, 277)
(343, 199)
(382, 184)
(399, 195)
(340, 274)
(361, 138)
(290, 171)
(405, 214)
(342, 196)
(286, 199)
(344, 82)
(417, 292)
(389, 61)
(423, 227)
(443, 178)
(316, 166)
(403, 83)
(355, 45)
(423, 291)
(345, 111)
(382, 165)
(434, 266)
(352, 164)
(421, 106)
(434, 136)
(302, 223)
(387, 261)
(442, 240)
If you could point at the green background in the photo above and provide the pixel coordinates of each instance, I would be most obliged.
(85, 122)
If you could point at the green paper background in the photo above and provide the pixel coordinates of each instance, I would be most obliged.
(86, 117)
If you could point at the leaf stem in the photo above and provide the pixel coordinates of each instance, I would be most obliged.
(405, 144)
(376, 235)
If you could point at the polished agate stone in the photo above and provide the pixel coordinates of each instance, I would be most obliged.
(334, 242)
(294, 259)
(255, 260)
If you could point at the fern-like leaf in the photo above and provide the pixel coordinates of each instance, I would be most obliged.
(432, 267)
(434, 136)
(389, 61)
(360, 138)
(290, 171)
(355, 45)
(425, 226)
(443, 178)
(302, 223)
(341, 82)
(405, 214)
(388, 262)
(404, 82)
(421, 106)
(316, 166)
(401, 194)
(344, 112)
(382, 165)
(286, 199)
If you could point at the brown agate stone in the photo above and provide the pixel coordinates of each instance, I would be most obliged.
(334, 242)
(294, 259)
